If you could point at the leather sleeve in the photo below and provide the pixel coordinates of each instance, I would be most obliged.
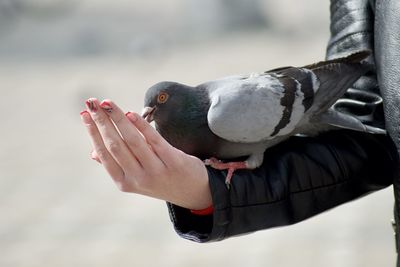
(306, 176)
(387, 48)
(352, 30)
(298, 179)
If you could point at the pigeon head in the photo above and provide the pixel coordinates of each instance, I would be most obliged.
(165, 101)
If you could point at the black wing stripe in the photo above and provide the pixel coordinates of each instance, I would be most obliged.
(290, 86)
(307, 88)
(304, 77)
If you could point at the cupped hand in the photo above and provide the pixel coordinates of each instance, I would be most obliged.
(140, 160)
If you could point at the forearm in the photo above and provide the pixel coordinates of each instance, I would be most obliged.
(298, 179)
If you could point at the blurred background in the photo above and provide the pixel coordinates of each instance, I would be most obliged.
(59, 208)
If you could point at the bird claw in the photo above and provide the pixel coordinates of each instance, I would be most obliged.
(230, 166)
(228, 184)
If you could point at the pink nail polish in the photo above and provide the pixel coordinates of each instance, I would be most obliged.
(85, 116)
(106, 105)
(91, 105)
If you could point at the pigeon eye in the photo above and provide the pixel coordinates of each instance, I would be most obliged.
(162, 98)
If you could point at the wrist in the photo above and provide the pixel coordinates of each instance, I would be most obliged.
(192, 190)
(200, 198)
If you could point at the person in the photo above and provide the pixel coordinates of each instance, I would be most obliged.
(299, 178)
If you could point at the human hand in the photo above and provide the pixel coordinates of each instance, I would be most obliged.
(141, 161)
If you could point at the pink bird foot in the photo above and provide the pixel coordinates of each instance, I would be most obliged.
(230, 166)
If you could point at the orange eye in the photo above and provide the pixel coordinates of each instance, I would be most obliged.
(162, 98)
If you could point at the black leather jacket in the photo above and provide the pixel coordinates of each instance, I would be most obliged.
(387, 55)
(306, 176)
(299, 178)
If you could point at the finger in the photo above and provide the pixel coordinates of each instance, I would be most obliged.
(113, 169)
(159, 145)
(131, 136)
(111, 138)
(94, 156)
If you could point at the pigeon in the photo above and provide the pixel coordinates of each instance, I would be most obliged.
(243, 115)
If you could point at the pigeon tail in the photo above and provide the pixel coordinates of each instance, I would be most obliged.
(335, 77)
(355, 57)
(346, 121)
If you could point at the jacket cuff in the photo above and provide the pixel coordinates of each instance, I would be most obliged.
(204, 228)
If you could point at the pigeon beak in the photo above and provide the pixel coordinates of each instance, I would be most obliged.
(147, 113)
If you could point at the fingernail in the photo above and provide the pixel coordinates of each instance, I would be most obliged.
(131, 116)
(93, 157)
(85, 116)
(91, 104)
(106, 105)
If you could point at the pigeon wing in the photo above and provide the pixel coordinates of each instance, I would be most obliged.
(255, 108)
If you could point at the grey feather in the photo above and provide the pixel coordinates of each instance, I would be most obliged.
(251, 106)
(244, 115)
(249, 110)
